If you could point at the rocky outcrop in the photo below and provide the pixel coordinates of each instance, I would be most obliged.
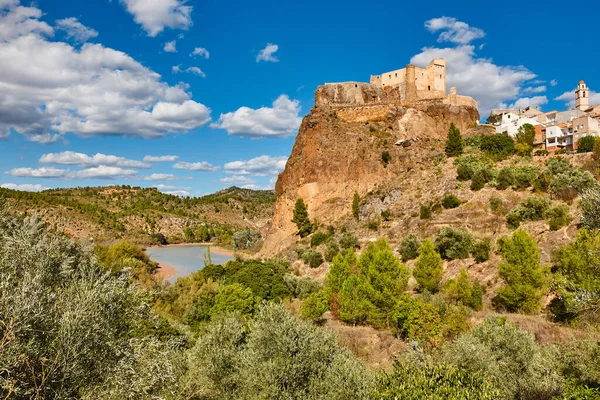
(339, 150)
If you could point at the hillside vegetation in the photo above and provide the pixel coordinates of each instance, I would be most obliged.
(137, 214)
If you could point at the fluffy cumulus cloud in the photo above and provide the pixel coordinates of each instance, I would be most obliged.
(237, 180)
(523, 102)
(50, 88)
(171, 47)
(201, 166)
(259, 166)
(196, 71)
(26, 187)
(173, 190)
(553, 82)
(160, 158)
(160, 177)
(101, 172)
(156, 15)
(200, 51)
(268, 53)
(281, 120)
(75, 30)
(453, 30)
(536, 89)
(83, 160)
(569, 98)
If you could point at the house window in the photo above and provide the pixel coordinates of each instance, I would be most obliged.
(396, 74)
(390, 75)
(355, 85)
(440, 76)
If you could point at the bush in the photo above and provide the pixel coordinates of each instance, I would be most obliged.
(541, 152)
(478, 182)
(453, 243)
(454, 142)
(532, 208)
(524, 176)
(425, 211)
(233, 298)
(585, 144)
(509, 357)
(498, 146)
(419, 321)
(314, 306)
(433, 381)
(560, 151)
(590, 208)
(386, 215)
(246, 239)
(450, 201)
(385, 158)
(524, 139)
(481, 249)
(566, 186)
(373, 225)
(523, 274)
(497, 205)
(318, 239)
(349, 241)
(543, 181)
(159, 239)
(312, 258)
(428, 268)
(409, 248)
(505, 178)
(331, 250)
(558, 217)
(465, 172)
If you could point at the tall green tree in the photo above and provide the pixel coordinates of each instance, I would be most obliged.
(523, 274)
(355, 205)
(586, 144)
(428, 268)
(454, 143)
(301, 219)
(524, 139)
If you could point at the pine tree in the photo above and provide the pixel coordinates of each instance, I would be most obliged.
(454, 143)
(355, 205)
(301, 219)
(464, 291)
(428, 268)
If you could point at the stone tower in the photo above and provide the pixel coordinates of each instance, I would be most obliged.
(582, 97)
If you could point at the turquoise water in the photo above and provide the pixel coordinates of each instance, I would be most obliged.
(185, 259)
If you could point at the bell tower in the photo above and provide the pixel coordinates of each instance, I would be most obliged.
(582, 97)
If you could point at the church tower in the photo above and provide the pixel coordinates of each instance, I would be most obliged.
(582, 97)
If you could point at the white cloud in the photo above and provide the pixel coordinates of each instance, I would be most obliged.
(201, 51)
(537, 89)
(553, 82)
(171, 47)
(101, 172)
(176, 69)
(49, 88)
(197, 166)
(529, 102)
(76, 30)
(83, 160)
(569, 98)
(156, 15)
(480, 78)
(196, 71)
(259, 166)
(160, 177)
(237, 180)
(267, 54)
(173, 190)
(279, 121)
(160, 158)
(24, 187)
(454, 31)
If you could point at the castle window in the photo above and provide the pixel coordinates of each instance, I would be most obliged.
(428, 87)
(355, 85)
(440, 76)
(396, 74)
(390, 75)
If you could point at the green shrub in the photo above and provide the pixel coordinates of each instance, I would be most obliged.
(450, 201)
(566, 186)
(505, 178)
(476, 296)
(532, 208)
(465, 172)
(453, 243)
(509, 357)
(385, 158)
(373, 224)
(409, 248)
(498, 146)
(428, 268)
(331, 250)
(233, 298)
(560, 151)
(312, 258)
(246, 239)
(523, 274)
(524, 139)
(318, 238)
(559, 165)
(466, 166)
(524, 176)
(478, 181)
(481, 249)
(590, 208)
(541, 152)
(314, 306)
(425, 211)
(497, 205)
(543, 181)
(585, 144)
(386, 215)
(419, 321)
(433, 381)
(349, 241)
(558, 217)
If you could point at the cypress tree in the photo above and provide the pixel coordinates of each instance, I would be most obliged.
(355, 205)
(454, 143)
(301, 219)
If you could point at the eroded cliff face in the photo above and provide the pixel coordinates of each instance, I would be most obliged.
(339, 149)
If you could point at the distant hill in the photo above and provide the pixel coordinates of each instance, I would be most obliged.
(134, 213)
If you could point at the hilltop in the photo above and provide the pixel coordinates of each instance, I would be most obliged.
(130, 213)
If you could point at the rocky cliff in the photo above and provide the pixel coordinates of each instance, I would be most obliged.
(339, 150)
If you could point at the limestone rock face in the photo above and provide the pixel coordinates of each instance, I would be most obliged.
(339, 149)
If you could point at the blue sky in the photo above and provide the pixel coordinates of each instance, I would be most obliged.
(195, 96)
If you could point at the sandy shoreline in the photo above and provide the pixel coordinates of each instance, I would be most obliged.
(166, 271)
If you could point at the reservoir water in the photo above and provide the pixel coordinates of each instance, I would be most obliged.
(184, 259)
